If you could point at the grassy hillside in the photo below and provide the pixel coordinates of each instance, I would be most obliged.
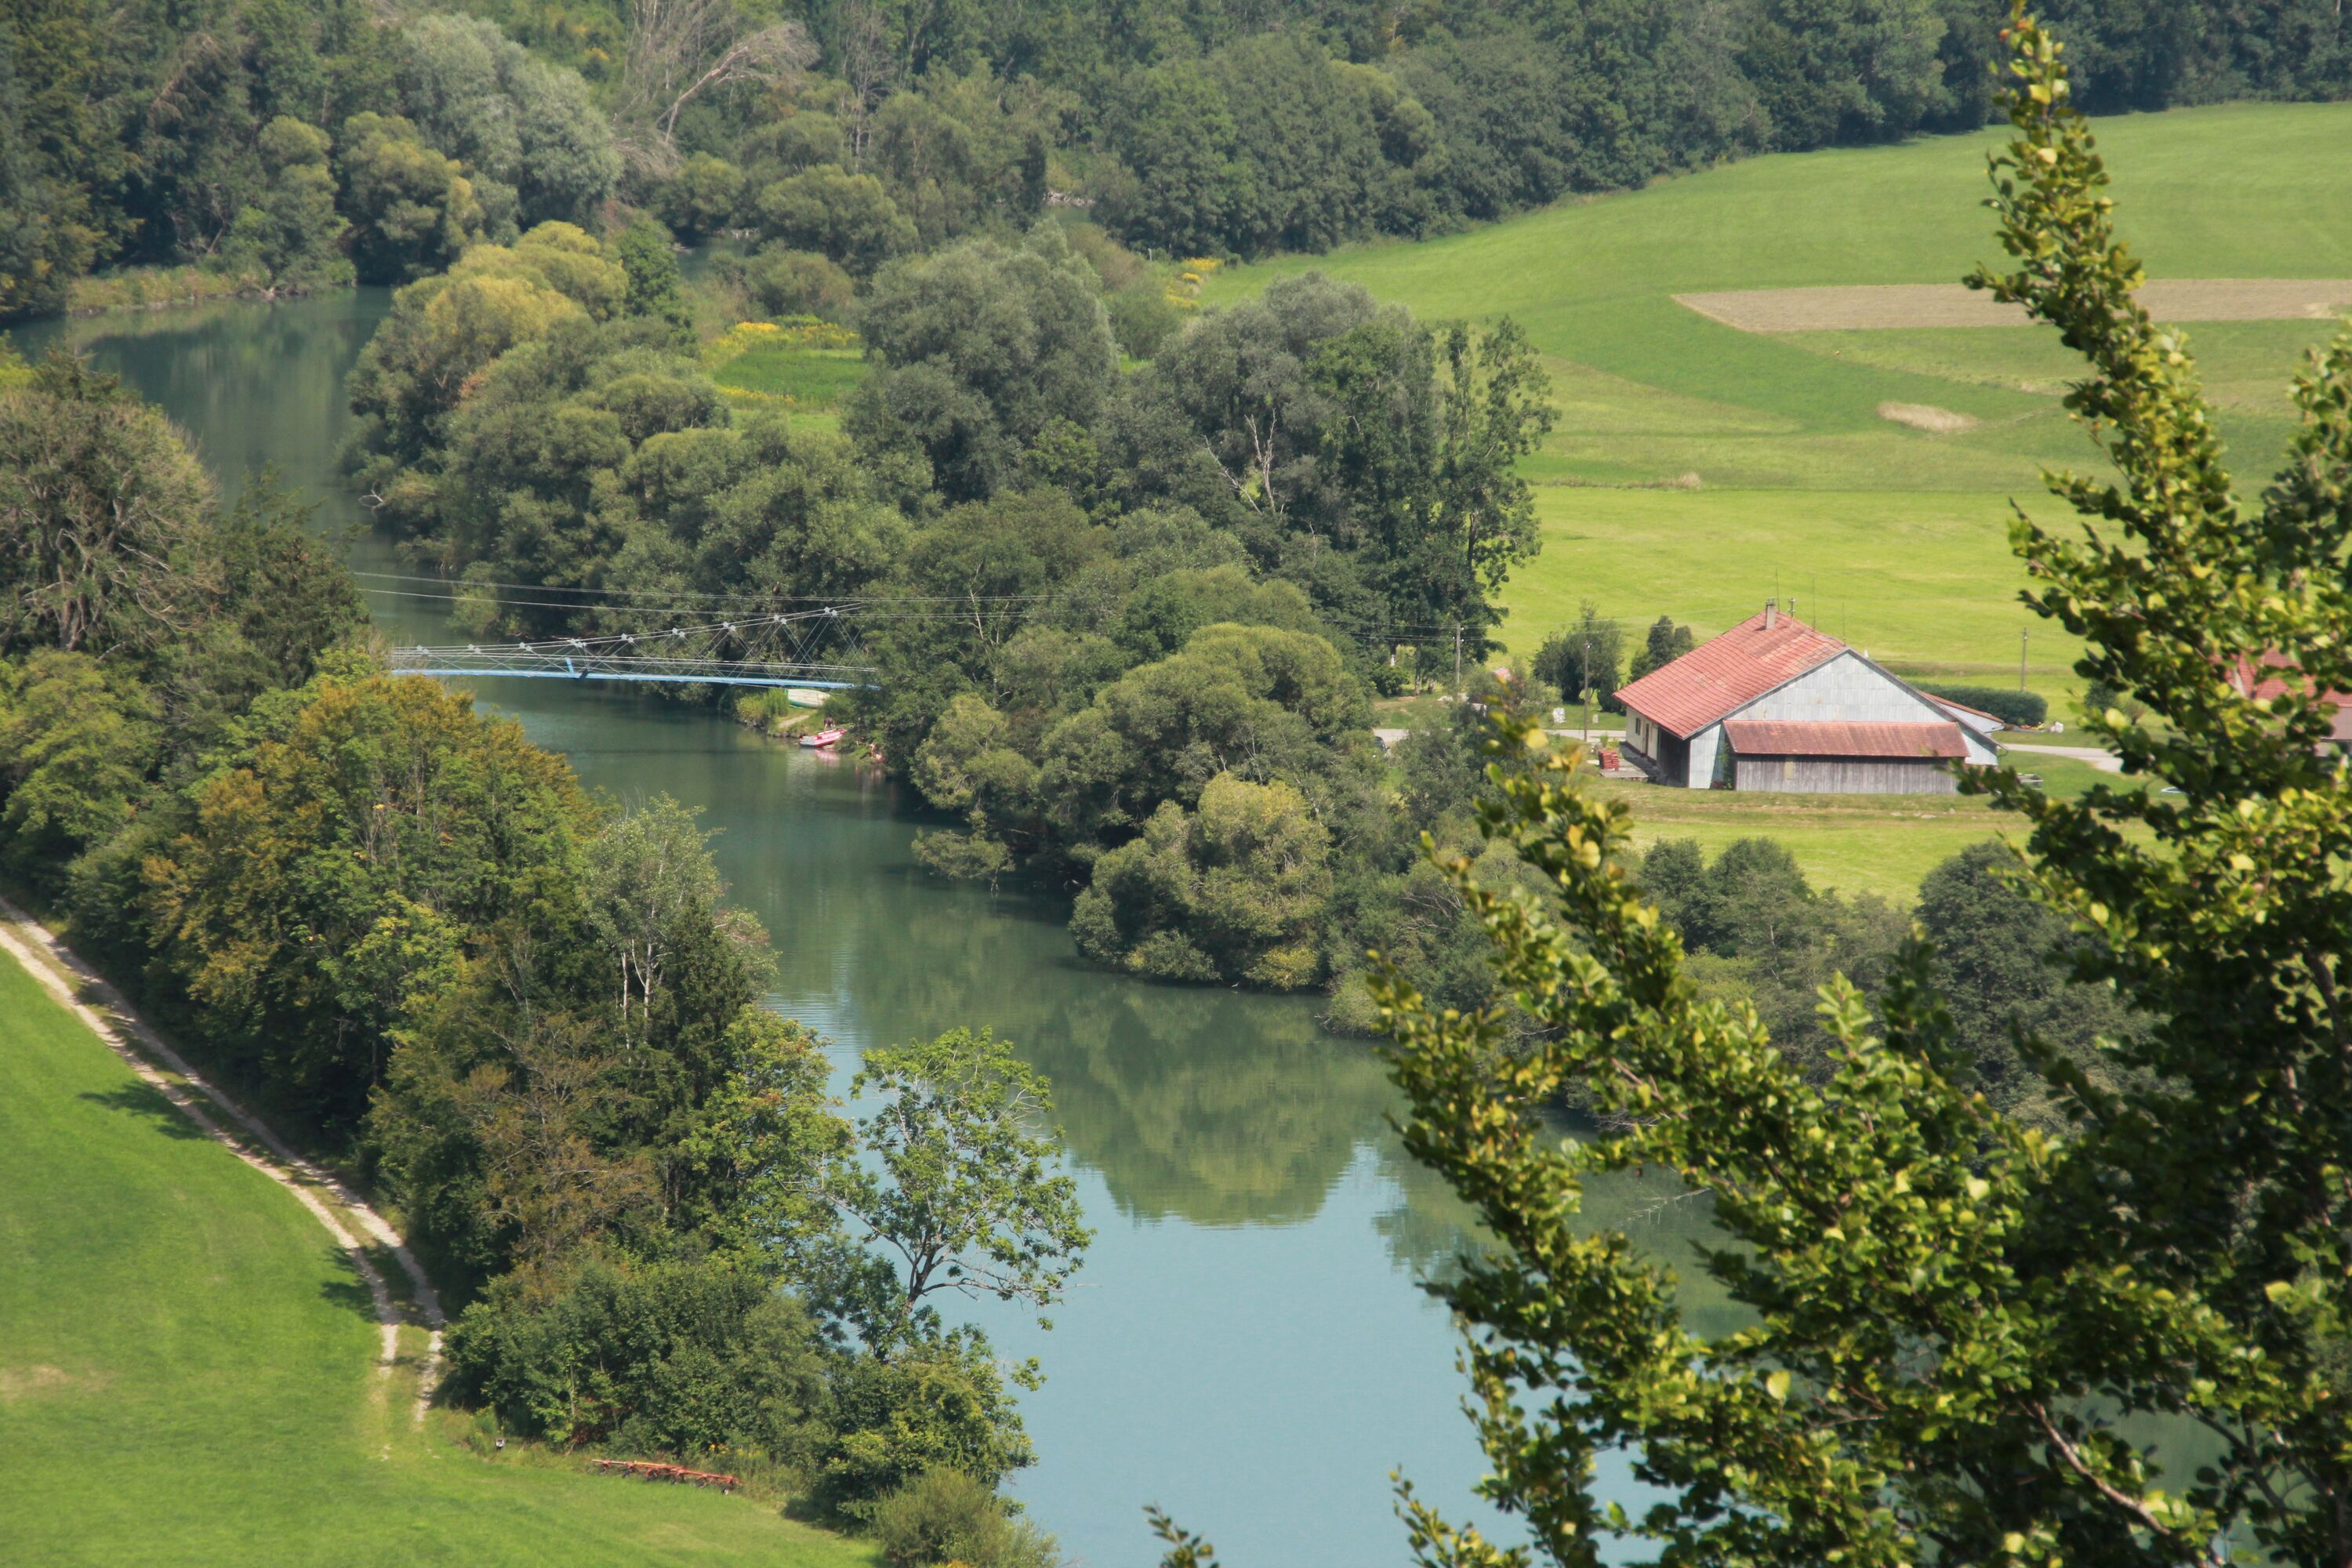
(1890, 536)
(187, 1368)
(1881, 844)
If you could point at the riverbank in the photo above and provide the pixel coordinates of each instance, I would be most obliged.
(772, 714)
(144, 289)
(189, 1365)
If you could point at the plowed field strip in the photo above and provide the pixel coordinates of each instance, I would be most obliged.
(1902, 305)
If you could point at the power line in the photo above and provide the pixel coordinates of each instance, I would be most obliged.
(873, 609)
(741, 598)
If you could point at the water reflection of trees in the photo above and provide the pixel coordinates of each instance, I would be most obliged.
(251, 383)
(1211, 1106)
(1428, 1228)
(1669, 1221)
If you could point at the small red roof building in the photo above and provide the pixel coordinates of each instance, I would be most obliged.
(2264, 680)
(1776, 704)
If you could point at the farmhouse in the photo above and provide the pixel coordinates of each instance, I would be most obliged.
(1774, 704)
(2265, 679)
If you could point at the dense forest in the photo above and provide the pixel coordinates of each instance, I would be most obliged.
(283, 144)
(1126, 626)
(1169, 556)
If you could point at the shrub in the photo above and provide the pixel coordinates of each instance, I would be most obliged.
(935, 1404)
(682, 1357)
(945, 1516)
(1114, 264)
(783, 282)
(1141, 319)
(2017, 710)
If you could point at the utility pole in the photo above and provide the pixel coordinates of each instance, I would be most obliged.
(1587, 683)
(2023, 632)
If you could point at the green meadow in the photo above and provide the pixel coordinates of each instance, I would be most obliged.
(1697, 469)
(1893, 536)
(1881, 845)
(809, 378)
(188, 1375)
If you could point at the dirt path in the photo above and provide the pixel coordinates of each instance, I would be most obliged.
(2106, 761)
(332, 1204)
(1906, 305)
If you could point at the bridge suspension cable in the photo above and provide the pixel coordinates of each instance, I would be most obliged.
(818, 647)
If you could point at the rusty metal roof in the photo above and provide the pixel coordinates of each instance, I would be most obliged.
(1838, 738)
(1725, 674)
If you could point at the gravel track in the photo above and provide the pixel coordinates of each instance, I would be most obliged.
(331, 1202)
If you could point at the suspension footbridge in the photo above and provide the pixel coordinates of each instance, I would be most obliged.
(820, 648)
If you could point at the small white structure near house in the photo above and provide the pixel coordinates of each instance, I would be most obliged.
(1774, 704)
(1975, 720)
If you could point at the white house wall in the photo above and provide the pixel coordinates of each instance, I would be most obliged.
(1847, 690)
(1706, 753)
(1976, 724)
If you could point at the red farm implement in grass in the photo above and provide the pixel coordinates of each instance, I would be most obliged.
(645, 1470)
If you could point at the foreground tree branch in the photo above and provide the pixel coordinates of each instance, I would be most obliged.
(1955, 1316)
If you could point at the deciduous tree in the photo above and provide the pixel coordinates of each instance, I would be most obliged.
(654, 289)
(679, 50)
(848, 218)
(979, 349)
(1493, 408)
(413, 210)
(1234, 889)
(75, 749)
(959, 1194)
(100, 510)
(643, 873)
(291, 236)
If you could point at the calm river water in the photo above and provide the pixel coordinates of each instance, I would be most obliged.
(1246, 1344)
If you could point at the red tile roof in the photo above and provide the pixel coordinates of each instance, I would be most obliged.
(2273, 684)
(1725, 674)
(1836, 738)
(2270, 686)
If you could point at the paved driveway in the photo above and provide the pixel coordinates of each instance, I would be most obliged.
(2106, 761)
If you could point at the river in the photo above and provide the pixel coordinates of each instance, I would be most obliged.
(1247, 1344)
